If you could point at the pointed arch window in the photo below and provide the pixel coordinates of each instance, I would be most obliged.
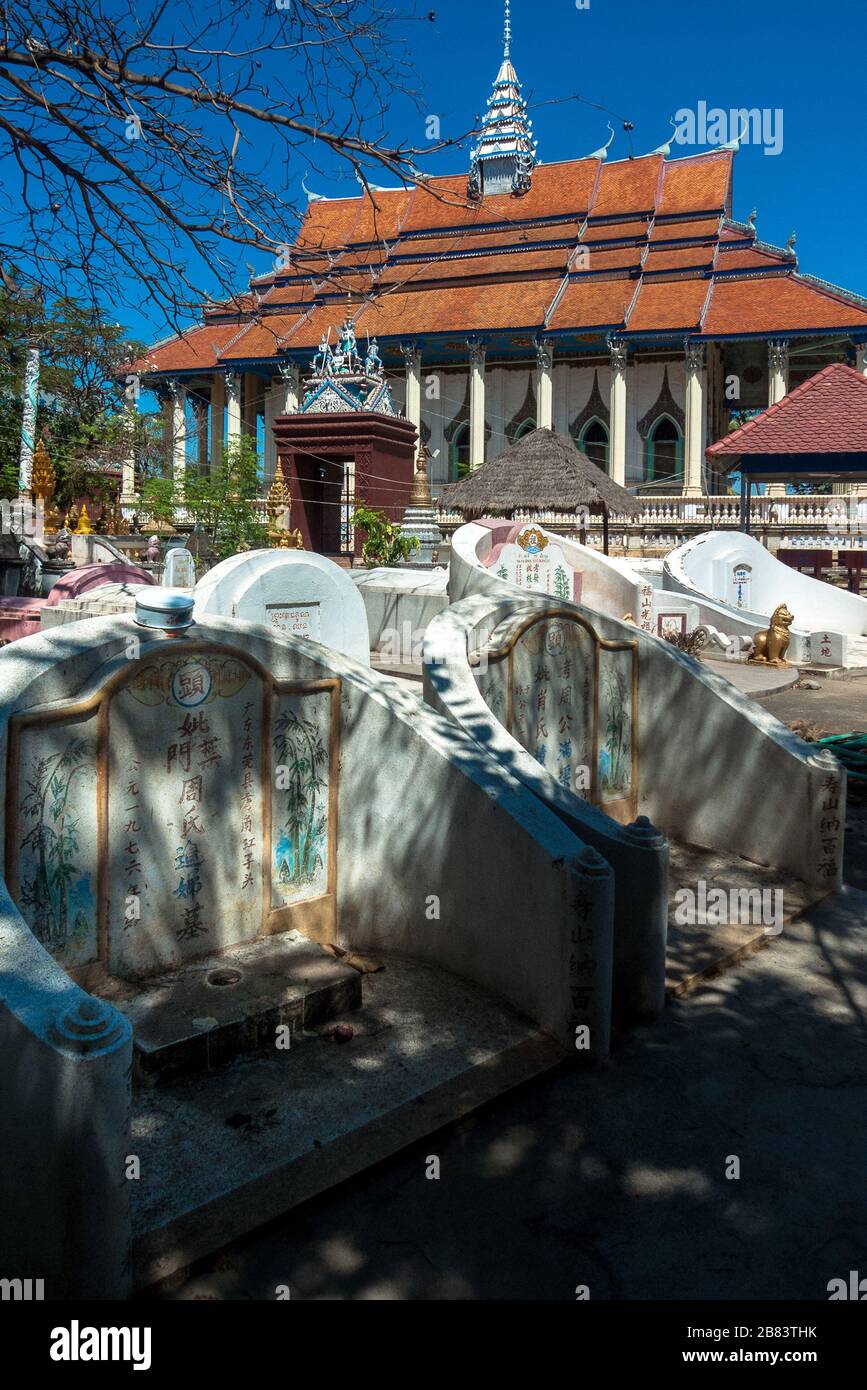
(593, 441)
(459, 451)
(525, 427)
(664, 451)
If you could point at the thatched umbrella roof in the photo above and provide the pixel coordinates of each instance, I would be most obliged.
(542, 472)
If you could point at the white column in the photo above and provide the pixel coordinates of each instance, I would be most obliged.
(694, 443)
(218, 406)
(412, 406)
(287, 390)
(179, 431)
(200, 414)
(477, 404)
(778, 370)
(861, 358)
(281, 398)
(545, 386)
(233, 407)
(127, 467)
(30, 395)
(272, 410)
(778, 386)
(617, 411)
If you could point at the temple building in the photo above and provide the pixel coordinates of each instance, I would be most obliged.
(619, 302)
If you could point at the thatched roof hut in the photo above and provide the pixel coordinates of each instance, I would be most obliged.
(542, 472)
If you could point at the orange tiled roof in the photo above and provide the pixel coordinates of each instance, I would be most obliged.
(680, 258)
(593, 304)
(669, 305)
(689, 229)
(701, 183)
(748, 258)
(777, 304)
(263, 339)
(620, 258)
(490, 266)
(630, 185)
(461, 267)
(199, 348)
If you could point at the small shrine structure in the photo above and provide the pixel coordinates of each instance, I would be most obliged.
(345, 447)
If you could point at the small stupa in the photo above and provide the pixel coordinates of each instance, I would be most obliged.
(420, 518)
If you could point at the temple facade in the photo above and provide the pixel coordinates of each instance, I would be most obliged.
(620, 302)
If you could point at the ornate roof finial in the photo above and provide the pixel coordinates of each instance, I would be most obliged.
(504, 158)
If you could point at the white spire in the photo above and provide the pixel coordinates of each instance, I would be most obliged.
(505, 156)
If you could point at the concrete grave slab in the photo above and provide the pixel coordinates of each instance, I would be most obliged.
(297, 593)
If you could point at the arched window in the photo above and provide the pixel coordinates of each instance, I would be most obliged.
(460, 451)
(664, 451)
(594, 443)
(525, 427)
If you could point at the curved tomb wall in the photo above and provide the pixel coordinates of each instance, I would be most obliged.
(714, 768)
(298, 593)
(162, 808)
(735, 571)
(507, 672)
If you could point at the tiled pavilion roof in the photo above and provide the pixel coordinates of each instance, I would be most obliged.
(644, 248)
(825, 415)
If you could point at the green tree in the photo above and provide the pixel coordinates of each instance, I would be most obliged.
(81, 393)
(384, 542)
(221, 501)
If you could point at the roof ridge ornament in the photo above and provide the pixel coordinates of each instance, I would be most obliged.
(665, 148)
(602, 152)
(503, 159)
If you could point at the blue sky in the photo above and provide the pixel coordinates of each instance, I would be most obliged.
(645, 61)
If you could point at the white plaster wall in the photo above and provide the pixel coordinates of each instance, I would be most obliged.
(643, 385)
(703, 568)
(399, 605)
(438, 415)
(715, 769)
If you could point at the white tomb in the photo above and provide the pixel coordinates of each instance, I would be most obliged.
(299, 593)
(179, 570)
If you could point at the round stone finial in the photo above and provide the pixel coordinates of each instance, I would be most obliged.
(164, 610)
(645, 832)
(89, 1026)
(592, 862)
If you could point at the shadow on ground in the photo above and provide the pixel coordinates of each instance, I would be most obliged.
(617, 1179)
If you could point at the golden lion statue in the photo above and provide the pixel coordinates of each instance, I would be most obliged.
(770, 647)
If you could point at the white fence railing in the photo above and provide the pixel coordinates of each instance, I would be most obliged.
(817, 521)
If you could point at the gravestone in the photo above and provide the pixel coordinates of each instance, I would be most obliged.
(828, 648)
(186, 811)
(298, 593)
(570, 701)
(179, 571)
(534, 562)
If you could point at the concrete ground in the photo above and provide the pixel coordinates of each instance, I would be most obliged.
(618, 1179)
(836, 707)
